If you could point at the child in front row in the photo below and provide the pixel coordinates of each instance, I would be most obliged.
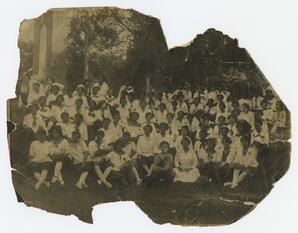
(162, 166)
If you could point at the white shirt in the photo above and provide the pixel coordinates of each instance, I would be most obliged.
(39, 152)
(34, 122)
(78, 151)
(117, 160)
(59, 149)
(146, 146)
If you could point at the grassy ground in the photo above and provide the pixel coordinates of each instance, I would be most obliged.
(185, 204)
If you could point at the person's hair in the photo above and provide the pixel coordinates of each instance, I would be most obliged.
(41, 131)
(165, 124)
(100, 131)
(149, 113)
(134, 113)
(78, 115)
(58, 129)
(59, 96)
(64, 113)
(77, 132)
(148, 126)
(185, 140)
(115, 112)
(164, 143)
(126, 134)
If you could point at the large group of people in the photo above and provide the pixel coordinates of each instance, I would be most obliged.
(188, 135)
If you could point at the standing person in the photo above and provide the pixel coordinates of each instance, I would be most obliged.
(162, 166)
(185, 164)
(59, 148)
(146, 149)
(39, 159)
(80, 158)
(245, 164)
(36, 92)
(98, 149)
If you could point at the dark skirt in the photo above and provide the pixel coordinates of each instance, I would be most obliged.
(38, 167)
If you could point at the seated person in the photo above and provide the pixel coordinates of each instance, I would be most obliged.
(121, 165)
(80, 126)
(66, 126)
(164, 135)
(33, 120)
(162, 166)
(59, 148)
(279, 120)
(46, 113)
(114, 129)
(80, 158)
(133, 127)
(146, 149)
(98, 149)
(245, 163)
(161, 113)
(129, 146)
(58, 107)
(210, 160)
(185, 164)
(39, 159)
(149, 120)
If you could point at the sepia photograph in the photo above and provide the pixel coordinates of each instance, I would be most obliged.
(105, 111)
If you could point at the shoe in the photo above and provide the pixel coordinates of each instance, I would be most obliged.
(85, 186)
(99, 182)
(37, 186)
(47, 184)
(139, 182)
(79, 186)
(61, 183)
(54, 179)
(108, 185)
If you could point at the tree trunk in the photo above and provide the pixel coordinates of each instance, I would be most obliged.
(86, 57)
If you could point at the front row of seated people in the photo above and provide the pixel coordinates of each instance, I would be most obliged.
(149, 160)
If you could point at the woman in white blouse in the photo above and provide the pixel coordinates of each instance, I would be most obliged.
(185, 164)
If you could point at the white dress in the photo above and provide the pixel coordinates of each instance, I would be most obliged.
(186, 160)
